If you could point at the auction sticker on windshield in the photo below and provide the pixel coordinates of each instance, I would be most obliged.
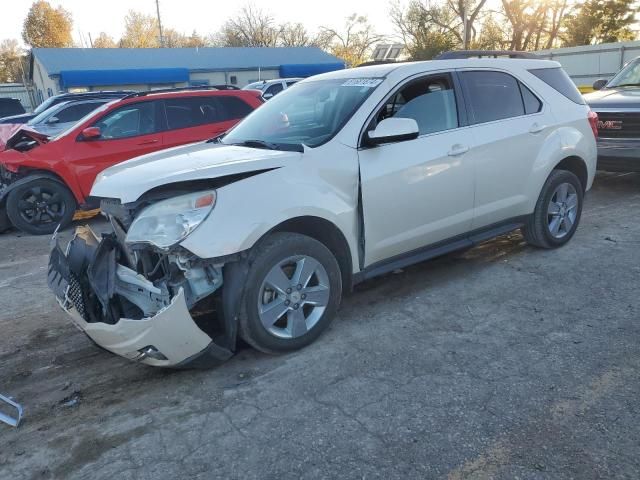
(362, 82)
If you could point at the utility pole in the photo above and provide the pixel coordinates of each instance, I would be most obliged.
(159, 23)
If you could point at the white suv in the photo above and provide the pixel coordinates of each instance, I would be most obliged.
(340, 178)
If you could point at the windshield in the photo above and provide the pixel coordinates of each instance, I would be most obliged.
(629, 75)
(42, 117)
(308, 113)
(44, 105)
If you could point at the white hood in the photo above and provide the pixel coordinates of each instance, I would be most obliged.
(127, 181)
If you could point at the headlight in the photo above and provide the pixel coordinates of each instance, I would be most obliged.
(166, 223)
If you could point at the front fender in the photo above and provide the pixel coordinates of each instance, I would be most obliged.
(246, 210)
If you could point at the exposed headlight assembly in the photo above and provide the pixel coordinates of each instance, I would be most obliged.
(168, 222)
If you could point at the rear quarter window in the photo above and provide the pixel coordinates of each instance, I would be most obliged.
(558, 79)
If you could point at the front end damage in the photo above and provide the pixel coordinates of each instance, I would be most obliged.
(158, 307)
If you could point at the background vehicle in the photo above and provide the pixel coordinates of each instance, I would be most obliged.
(395, 164)
(45, 179)
(270, 88)
(55, 119)
(617, 103)
(63, 97)
(10, 106)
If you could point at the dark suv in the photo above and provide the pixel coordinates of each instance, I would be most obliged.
(617, 103)
(56, 99)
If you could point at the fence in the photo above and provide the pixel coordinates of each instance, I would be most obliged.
(589, 63)
(19, 91)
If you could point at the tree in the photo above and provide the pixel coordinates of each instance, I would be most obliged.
(172, 38)
(354, 43)
(252, 27)
(104, 41)
(140, 31)
(424, 38)
(11, 56)
(293, 35)
(601, 21)
(194, 41)
(46, 26)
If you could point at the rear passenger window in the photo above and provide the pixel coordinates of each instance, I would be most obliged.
(531, 103)
(492, 96)
(558, 79)
(234, 108)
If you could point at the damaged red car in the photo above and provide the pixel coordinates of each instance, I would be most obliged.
(43, 180)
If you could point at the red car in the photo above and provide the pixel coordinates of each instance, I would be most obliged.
(44, 180)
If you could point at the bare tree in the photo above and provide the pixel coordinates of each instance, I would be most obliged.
(293, 35)
(252, 27)
(354, 42)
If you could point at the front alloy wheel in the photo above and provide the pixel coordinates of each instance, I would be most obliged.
(292, 292)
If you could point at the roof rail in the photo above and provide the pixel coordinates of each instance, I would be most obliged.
(169, 90)
(226, 86)
(459, 54)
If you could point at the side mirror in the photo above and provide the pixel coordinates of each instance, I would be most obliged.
(91, 133)
(393, 130)
(599, 84)
(267, 96)
(53, 120)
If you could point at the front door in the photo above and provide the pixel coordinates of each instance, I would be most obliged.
(418, 192)
(126, 132)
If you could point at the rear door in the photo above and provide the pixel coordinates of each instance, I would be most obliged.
(193, 119)
(509, 123)
(128, 131)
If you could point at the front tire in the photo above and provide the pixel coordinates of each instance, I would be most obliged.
(39, 206)
(293, 291)
(557, 213)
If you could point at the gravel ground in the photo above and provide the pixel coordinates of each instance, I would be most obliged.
(499, 362)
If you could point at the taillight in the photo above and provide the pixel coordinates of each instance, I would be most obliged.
(593, 121)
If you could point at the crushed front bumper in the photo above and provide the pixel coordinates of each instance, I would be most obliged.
(168, 338)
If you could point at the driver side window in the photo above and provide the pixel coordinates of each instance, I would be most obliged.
(129, 121)
(430, 101)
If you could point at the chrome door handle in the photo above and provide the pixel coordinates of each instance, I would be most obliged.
(457, 149)
(537, 128)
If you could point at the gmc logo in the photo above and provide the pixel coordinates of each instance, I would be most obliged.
(610, 124)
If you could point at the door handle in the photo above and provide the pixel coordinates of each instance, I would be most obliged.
(457, 149)
(149, 142)
(537, 128)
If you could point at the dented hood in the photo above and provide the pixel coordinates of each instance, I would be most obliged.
(127, 181)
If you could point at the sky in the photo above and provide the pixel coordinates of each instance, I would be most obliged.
(205, 16)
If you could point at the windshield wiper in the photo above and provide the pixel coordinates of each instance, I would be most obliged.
(287, 147)
(625, 85)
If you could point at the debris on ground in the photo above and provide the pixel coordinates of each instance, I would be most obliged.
(13, 421)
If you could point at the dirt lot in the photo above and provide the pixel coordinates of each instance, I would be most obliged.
(499, 362)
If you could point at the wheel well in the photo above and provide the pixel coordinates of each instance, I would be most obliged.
(576, 166)
(329, 235)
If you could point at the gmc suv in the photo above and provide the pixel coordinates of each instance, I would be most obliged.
(340, 178)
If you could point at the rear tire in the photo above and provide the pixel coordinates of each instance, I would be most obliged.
(39, 206)
(293, 291)
(557, 213)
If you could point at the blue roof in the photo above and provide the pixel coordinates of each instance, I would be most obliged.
(55, 60)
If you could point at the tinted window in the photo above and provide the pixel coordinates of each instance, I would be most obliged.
(492, 96)
(531, 103)
(129, 121)
(74, 113)
(10, 106)
(234, 108)
(273, 89)
(558, 79)
(430, 101)
(194, 111)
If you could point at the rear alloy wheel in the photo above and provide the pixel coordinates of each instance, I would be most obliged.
(39, 206)
(557, 212)
(293, 291)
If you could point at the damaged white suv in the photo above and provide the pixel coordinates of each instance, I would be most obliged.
(340, 178)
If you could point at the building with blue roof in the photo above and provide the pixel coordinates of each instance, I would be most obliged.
(55, 70)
